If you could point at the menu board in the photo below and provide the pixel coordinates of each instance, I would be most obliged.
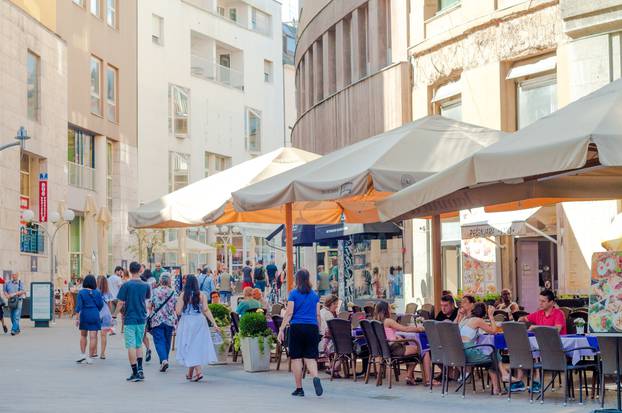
(605, 311)
(479, 266)
(41, 301)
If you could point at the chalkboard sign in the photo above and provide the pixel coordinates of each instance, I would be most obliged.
(41, 303)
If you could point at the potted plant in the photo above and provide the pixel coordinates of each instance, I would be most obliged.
(222, 315)
(579, 323)
(256, 340)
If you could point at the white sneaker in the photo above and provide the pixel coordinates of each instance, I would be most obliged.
(89, 360)
(81, 358)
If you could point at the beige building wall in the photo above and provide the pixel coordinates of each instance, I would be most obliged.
(46, 148)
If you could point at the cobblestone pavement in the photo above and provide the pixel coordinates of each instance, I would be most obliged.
(38, 374)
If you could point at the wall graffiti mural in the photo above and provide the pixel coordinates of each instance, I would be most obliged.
(348, 274)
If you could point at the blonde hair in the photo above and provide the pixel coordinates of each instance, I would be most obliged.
(247, 292)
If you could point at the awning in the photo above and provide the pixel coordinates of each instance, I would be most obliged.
(447, 90)
(542, 65)
(190, 245)
(303, 235)
(524, 222)
(326, 232)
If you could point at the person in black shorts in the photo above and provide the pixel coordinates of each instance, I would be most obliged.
(302, 316)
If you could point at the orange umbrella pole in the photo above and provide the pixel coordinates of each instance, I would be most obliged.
(289, 246)
(437, 261)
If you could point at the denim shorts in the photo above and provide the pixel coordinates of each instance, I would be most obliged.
(133, 334)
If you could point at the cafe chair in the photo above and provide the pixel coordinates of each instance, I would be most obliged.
(276, 309)
(356, 319)
(280, 347)
(374, 350)
(501, 316)
(344, 315)
(425, 314)
(390, 363)
(428, 307)
(411, 308)
(341, 335)
(455, 356)
(521, 353)
(405, 319)
(235, 329)
(554, 359)
(436, 348)
(608, 365)
(516, 315)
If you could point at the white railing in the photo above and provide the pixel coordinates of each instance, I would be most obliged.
(81, 176)
(210, 70)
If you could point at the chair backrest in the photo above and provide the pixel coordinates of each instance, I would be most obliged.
(425, 314)
(341, 333)
(344, 315)
(235, 322)
(551, 349)
(411, 308)
(278, 321)
(276, 309)
(566, 311)
(406, 319)
(518, 314)
(381, 336)
(607, 346)
(356, 318)
(517, 340)
(434, 340)
(370, 337)
(356, 308)
(428, 307)
(501, 316)
(453, 349)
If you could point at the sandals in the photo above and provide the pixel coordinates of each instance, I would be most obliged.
(103, 357)
(411, 382)
(198, 378)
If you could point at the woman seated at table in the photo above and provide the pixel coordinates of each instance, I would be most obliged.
(248, 303)
(400, 347)
(472, 324)
(327, 313)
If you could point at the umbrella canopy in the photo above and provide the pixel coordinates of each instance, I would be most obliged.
(574, 153)
(207, 201)
(352, 179)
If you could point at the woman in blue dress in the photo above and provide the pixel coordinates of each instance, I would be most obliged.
(90, 302)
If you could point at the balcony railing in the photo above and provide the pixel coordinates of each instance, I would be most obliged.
(81, 176)
(210, 70)
(32, 240)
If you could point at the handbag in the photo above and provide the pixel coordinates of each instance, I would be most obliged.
(148, 325)
(13, 303)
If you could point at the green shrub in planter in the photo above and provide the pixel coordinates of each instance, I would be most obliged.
(254, 325)
(221, 313)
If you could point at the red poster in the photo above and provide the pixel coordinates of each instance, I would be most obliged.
(23, 204)
(43, 200)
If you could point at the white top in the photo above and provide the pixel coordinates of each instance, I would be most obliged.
(114, 284)
(325, 316)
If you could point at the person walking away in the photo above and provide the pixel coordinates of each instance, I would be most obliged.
(259, 276)
(194, 340)
(323, 281)
(105, 314)
(163, 318)
(281, 281)
(225, 286)
(132, 300)
(114, 284)
(147, 277)
(367, 279)
(206, 283)
(392, 281)
(15, 293)
(90, 303)
(247, 275)
(271, 270)
(303, 317)
(3, 303)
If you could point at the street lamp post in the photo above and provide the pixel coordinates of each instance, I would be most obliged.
(227, 233)
(21, 137)
(58, 221)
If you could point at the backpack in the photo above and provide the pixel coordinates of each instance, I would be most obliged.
(260, 274)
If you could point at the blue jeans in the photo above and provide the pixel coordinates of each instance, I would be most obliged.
(16, 314)
(162, 336)
(261, 285)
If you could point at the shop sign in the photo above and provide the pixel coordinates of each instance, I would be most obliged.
(487, 230)
(43, 197)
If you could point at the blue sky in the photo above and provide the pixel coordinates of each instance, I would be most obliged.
(289, 10)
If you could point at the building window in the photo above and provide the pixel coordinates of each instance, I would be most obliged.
(157, 29)
(179, 111)
(253, 130)
(445, 4)
(260, 21)
(109, 174)
(447, 100)
(535, 98)
(451, 108)
(79, 2)
(81, 159)
(34, 75)
(95, 8)
(24, 177)
(179, 171)
(267, 71)
(75, 247)
(111, 13)
(233, 14)
(96, 100)
(111, 93)
(215, 163)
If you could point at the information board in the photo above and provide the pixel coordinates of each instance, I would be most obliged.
(41, 301)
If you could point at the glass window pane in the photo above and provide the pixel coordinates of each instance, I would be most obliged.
(443, 4)
(536, 99)
(111, 13)
(95, 8)
(95, 86)
(452, 110)
(32, 66)
(111, 93)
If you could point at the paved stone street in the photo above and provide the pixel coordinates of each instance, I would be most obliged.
(39, 372)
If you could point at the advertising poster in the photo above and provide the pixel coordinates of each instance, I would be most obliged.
(41, 301)
(479, 266)
(605, 311)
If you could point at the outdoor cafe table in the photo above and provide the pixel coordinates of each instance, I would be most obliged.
(570, 342)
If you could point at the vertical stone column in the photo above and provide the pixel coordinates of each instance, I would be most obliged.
(328, 62)
(309, 99)
(340, 55)
(318, 71)
(377, 29)
(355, 45)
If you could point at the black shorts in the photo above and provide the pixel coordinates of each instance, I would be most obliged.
(303, 341)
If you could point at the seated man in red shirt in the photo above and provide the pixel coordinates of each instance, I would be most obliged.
(548, 314)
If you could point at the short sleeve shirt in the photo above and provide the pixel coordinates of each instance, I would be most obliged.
(134, 294)
(247, 271)
(305, 307)
(166, 315)
(556, 318)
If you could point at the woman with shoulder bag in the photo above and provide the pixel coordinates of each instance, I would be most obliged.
(303, 317)
(90, 303)
(162, 320)
(105, 313)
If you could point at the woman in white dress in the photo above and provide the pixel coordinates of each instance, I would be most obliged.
(194, 340)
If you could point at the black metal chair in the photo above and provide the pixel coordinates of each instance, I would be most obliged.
(425, 314)
(341, 335)
(554, 359)
(235, 329)
(436, 348)
(501, 316)
(521, 353)
(280, 347)
(518, 314)
(390, 363)
(374, 349)
(608, 362)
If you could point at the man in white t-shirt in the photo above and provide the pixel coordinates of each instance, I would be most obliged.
(114, 284)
